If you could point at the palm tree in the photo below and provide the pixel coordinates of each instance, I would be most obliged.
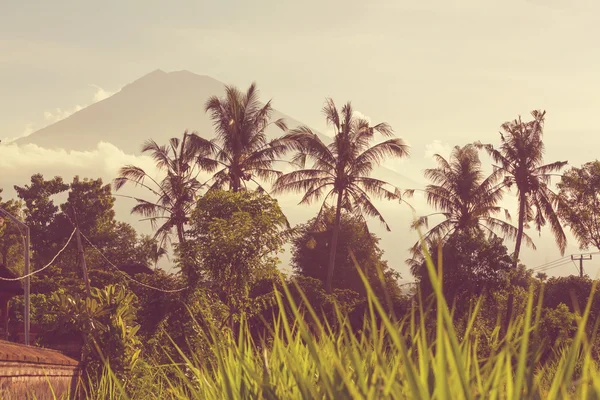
(241, 152)
(341, 169)
(175, 193)
(465, 198)
(520, 160)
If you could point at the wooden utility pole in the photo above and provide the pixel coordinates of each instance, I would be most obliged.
(81, 255)
(581, 257)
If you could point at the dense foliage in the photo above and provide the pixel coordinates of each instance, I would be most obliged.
(223, 321)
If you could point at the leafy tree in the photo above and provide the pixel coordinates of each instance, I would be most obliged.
(181, 162)
(341, 169)
(557, 327)
(241, 151)
(149, 249)
(580, 203)
(572, 291)
(11, 236)
(155, 306)
(40, 213)
(472, 265)
(107, 324)
(310, 255)
(542, 276)
(234, 241)
(520, 158)
(466, 199)
(90, 205)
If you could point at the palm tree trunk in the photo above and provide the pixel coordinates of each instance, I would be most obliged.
(180, 234)
(235, 184)
(519, 239)
(521, 224)
(334, 240)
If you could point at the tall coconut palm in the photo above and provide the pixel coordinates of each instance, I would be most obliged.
(520, 159)
(465, 197)
(341, 170)
(241, 151)
(175, 193)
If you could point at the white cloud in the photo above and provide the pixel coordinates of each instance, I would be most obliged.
(29, 129)
(437, 147)
(101, 94)
(359, 115)
(103, 161)
(58, 114)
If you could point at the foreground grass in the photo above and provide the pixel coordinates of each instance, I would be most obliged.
(386, 359)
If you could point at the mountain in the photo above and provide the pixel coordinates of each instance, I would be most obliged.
(162, 105)
(158, 106)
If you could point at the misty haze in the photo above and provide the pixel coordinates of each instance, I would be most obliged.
(252, 200)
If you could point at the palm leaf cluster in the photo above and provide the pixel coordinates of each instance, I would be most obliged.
(241, 152)
(520, 159)
(175, 193)
(343, 167)
(465, 198)
(340, 171)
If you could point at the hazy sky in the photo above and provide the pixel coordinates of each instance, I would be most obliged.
(444, 70)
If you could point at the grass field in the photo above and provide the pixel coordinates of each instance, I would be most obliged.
(388, 358)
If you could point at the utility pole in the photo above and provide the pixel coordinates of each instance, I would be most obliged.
(81, 256)
(82, 260)
(581, 257)
(26, 288)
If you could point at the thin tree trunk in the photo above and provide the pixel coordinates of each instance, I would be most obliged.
(521, 223)
(334, 240)
(180, 234)
(519, 239)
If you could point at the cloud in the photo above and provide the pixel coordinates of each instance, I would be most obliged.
(58, 114)
(359, 115)
(437, 147)
(103, 161)
(29, 129)
(101, 94)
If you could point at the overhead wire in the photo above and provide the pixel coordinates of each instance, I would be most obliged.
(45, 266)
(127, 275)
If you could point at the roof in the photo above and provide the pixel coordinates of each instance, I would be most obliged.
(11, 287)
(10, 351)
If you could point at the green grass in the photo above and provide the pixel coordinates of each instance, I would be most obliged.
(386, 359)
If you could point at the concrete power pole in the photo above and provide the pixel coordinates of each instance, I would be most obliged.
(26, 288)
(580, 258)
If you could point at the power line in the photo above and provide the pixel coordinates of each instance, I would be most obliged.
(45, 266)
(551, 263)
(560, 261)
(118, 269)
(581, 257)
(553, 266)
(575, 265)
(127, 275)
